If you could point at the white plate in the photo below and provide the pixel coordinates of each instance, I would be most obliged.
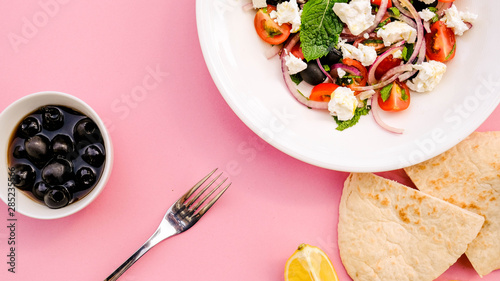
(253, 87)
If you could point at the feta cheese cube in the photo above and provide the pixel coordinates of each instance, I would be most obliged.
(397, 31)
(288, 12)
(366, 55)
(259, 4)
(427, 1)
(455, 19)
(341, 72)
(294, 64)
(429, 75)
(343, 103)
(397, 54)
(426, 14)
(357, 15)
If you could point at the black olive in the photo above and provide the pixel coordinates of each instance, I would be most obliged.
(23, 176)
(57, 171)
(87, 131)
(275, 2)
(93, 155)
(57, 197)
(70, 186)
(40, 189)
(85, 177)
(38, 149)
(332, 57)
(313, 74)
(19, 152)
(62, 145)
(419, 5)
(52, 118)
(29, 127)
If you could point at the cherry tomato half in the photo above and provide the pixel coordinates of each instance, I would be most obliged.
(297, 51)
(323, 92)
(398, 100)
(446, 1)
(440, 42)
(378, 2)
(385, 65)
(270, 31)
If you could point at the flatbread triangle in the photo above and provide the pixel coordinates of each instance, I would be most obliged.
(388, 231)
(468, 175)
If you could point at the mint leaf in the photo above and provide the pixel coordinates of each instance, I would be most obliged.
(394, 12)
(451, 52)
(360, 111)
(296, 78)
(404, 96)
(385, 93)
(320, 28)
(407, 52)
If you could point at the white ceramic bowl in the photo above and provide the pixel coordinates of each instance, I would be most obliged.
(9, 119)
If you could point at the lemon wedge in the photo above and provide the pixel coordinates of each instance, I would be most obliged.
(309, 263)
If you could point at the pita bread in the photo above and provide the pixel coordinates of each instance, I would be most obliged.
(388, 231)
(468, 175)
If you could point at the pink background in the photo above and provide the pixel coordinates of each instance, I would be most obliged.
(164, 140)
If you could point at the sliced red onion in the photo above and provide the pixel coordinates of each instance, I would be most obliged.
(420, 28)
(378, 17)
(407, 20)
(273, 51)
(292, 88)
(366, 94)
(427, 26)
(376, 86)
(292, 41)
(323, 70)
(402, 9)
(396, 70)
(376, 115)
(443, 6)
(371, 72)
(420, 60)
(349, 69)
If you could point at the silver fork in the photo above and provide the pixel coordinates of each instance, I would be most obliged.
(181, 216)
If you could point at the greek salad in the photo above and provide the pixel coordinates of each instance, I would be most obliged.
(360, 56)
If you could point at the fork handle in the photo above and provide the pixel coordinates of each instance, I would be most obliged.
(156, 238)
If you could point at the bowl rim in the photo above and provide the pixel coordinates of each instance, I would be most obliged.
(16, 111)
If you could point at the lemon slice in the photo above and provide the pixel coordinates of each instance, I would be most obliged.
(309, 263)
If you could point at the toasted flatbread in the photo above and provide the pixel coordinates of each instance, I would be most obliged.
(468, 175)
(388, 231)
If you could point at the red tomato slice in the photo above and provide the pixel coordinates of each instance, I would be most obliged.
(386, 65)
(323, 92)
(297, 51)
(446, 1)
(440, 42)
(378, 2)
(397, 101)
(364, 73)
(270, 31)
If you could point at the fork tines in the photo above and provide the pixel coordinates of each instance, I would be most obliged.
(194, 199)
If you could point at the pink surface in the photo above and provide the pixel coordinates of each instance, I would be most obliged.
(165, 138)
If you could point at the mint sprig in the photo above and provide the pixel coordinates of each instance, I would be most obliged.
(320, 28)
(360, 111)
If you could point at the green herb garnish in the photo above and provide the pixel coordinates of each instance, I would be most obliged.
(404, 96)
(385, 93)
(407, 52)
(451, 52)
(394, 12)
(320, 28)
(360, 111)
